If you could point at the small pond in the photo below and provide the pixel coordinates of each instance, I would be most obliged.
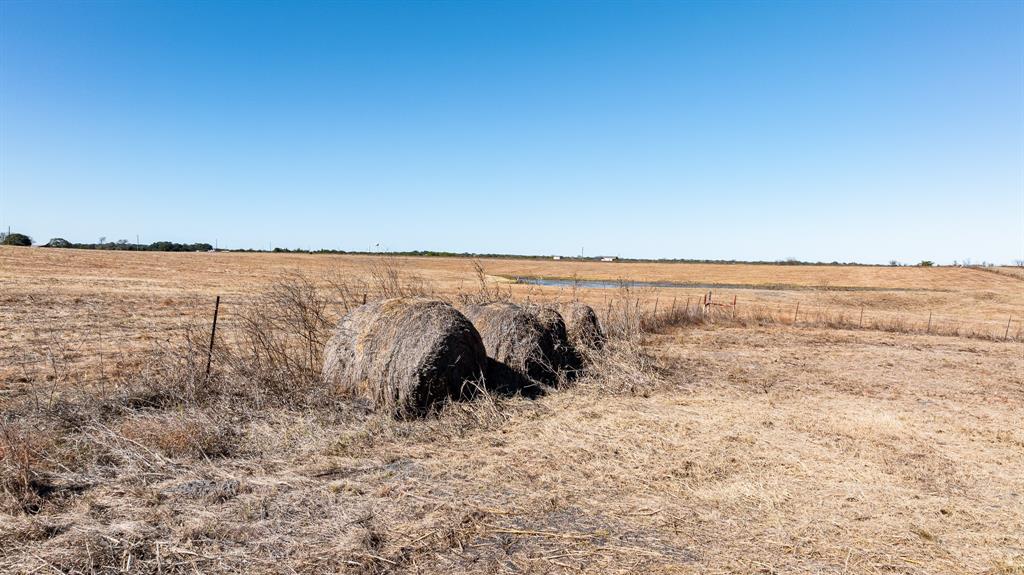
(614, 284)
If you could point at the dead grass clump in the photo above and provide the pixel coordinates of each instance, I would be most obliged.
(405, 355)
(268, 352)
(515, 340)
(485, 293)
(38, 467)
(181, 435)
(623, 366)
(388, 278)
(21, 476)
(280, 340)
(129, 547)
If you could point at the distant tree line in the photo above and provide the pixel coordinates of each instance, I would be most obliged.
(125, 246)
(16, 239)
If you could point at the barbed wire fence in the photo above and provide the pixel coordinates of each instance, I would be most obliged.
(63, 353)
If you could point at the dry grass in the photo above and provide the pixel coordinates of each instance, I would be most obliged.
(743, 450)
(79, 313)
(701, 440)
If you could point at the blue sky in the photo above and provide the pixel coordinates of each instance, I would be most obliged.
(820, 131)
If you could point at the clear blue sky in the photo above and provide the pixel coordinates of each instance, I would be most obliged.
(820, 131)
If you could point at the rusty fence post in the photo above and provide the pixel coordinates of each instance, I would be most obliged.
(213, 334)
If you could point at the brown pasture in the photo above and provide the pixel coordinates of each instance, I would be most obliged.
(739, 442)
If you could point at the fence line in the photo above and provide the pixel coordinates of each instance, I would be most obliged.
(707, 310)
(82, 356)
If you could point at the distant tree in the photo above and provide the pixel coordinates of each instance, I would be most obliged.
(1018, 263)
(15, 239)
(57, 243)
(926, 263)
(176, 247)
(894, 263)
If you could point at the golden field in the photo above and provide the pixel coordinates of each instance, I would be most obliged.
(107, 302)
(747, 443)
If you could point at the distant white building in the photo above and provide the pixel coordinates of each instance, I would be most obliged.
(557, 258)
(608, 259)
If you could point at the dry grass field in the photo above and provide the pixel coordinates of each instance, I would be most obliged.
(80, 306)
(731, 441)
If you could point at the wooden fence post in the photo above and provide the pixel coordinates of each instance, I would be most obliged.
(796, 312)
(929, 330)
(861, 316)
(1006, 334)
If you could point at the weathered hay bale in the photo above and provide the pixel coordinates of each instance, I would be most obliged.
(566, 360)
(405, 355)
(515, 337)
(582, 326)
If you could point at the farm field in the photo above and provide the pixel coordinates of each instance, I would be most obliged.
(64, 303)
(740, 443)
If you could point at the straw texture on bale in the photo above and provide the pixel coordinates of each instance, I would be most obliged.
(405, 355)
(582, 326)
(566, 360)
(516, 338)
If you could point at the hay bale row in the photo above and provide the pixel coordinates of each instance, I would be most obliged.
(405, 355)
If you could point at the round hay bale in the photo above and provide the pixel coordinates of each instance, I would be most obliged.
(404, 355)
(565, 358)
(582, 326)
(516, 338)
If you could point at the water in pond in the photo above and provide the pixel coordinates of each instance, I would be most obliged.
(613, 284)
(607, 284)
